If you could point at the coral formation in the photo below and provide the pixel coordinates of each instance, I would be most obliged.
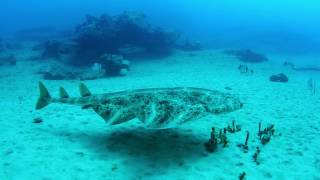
(59, 71)
(106, 66)
(216, 139)
(1, 45)
(107, 41)
(212, 144)
(265, 134)
(190, 46)
(114, 65)
(9, 45)
(256, 155)
(233, 128)
(245, 146)
(242, 176)
(127, 34)
(247, 56)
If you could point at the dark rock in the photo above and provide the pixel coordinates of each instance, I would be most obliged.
(60, 71)
(279, 78)
(1, 45)
(13, 46)
(36, 33)
(190, 46)
(247, 56)
(289, 64)
(114, 65)
(8, 60)
(37, 120)
(51, 49)
(8, 45)
(114, 34)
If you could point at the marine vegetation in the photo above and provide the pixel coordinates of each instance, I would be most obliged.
(156, 108)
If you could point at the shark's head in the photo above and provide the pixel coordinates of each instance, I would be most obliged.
(224, 103)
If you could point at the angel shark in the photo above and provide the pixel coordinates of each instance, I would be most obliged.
(156, 107)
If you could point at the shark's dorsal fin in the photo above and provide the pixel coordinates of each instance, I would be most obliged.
(84, 91)
(44, 98)
(63, 93)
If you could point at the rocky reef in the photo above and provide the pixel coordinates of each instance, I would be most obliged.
(9, 46)
(108, 43)
(127, 34)
(106, 66)
(190, 46)
(247, 56)
(8, 60)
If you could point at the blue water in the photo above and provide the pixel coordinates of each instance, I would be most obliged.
(289, 26)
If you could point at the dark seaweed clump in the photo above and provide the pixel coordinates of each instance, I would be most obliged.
(247, 56)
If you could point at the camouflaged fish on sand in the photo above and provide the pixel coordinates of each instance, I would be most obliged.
(155, 108)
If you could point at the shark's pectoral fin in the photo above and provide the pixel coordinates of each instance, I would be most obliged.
(114, 116)
(157, 115)
(104, 113)
(87, 106)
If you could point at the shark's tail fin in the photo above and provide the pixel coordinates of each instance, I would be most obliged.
(44, 98)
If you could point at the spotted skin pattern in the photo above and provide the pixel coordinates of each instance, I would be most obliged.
(158, 107)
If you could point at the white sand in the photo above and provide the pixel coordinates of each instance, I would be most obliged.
(76, 144)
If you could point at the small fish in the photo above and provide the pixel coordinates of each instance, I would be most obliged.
(156, 108)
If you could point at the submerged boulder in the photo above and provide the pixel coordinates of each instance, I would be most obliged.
(1, 45)
(8, 60)
(247, 56)
(279, 78)
(55, 49)
(9, 45)
(106, 66)
(190, 46)
(59, 71)
(51, 49)
(127, 34)
(114, 65)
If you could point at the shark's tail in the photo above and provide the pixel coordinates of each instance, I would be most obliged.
(44, 98)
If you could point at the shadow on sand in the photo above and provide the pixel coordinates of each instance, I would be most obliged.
(146, 152)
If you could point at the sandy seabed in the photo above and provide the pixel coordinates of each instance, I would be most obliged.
(72, 143)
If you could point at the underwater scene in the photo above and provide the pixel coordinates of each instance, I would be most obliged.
(159, 90)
